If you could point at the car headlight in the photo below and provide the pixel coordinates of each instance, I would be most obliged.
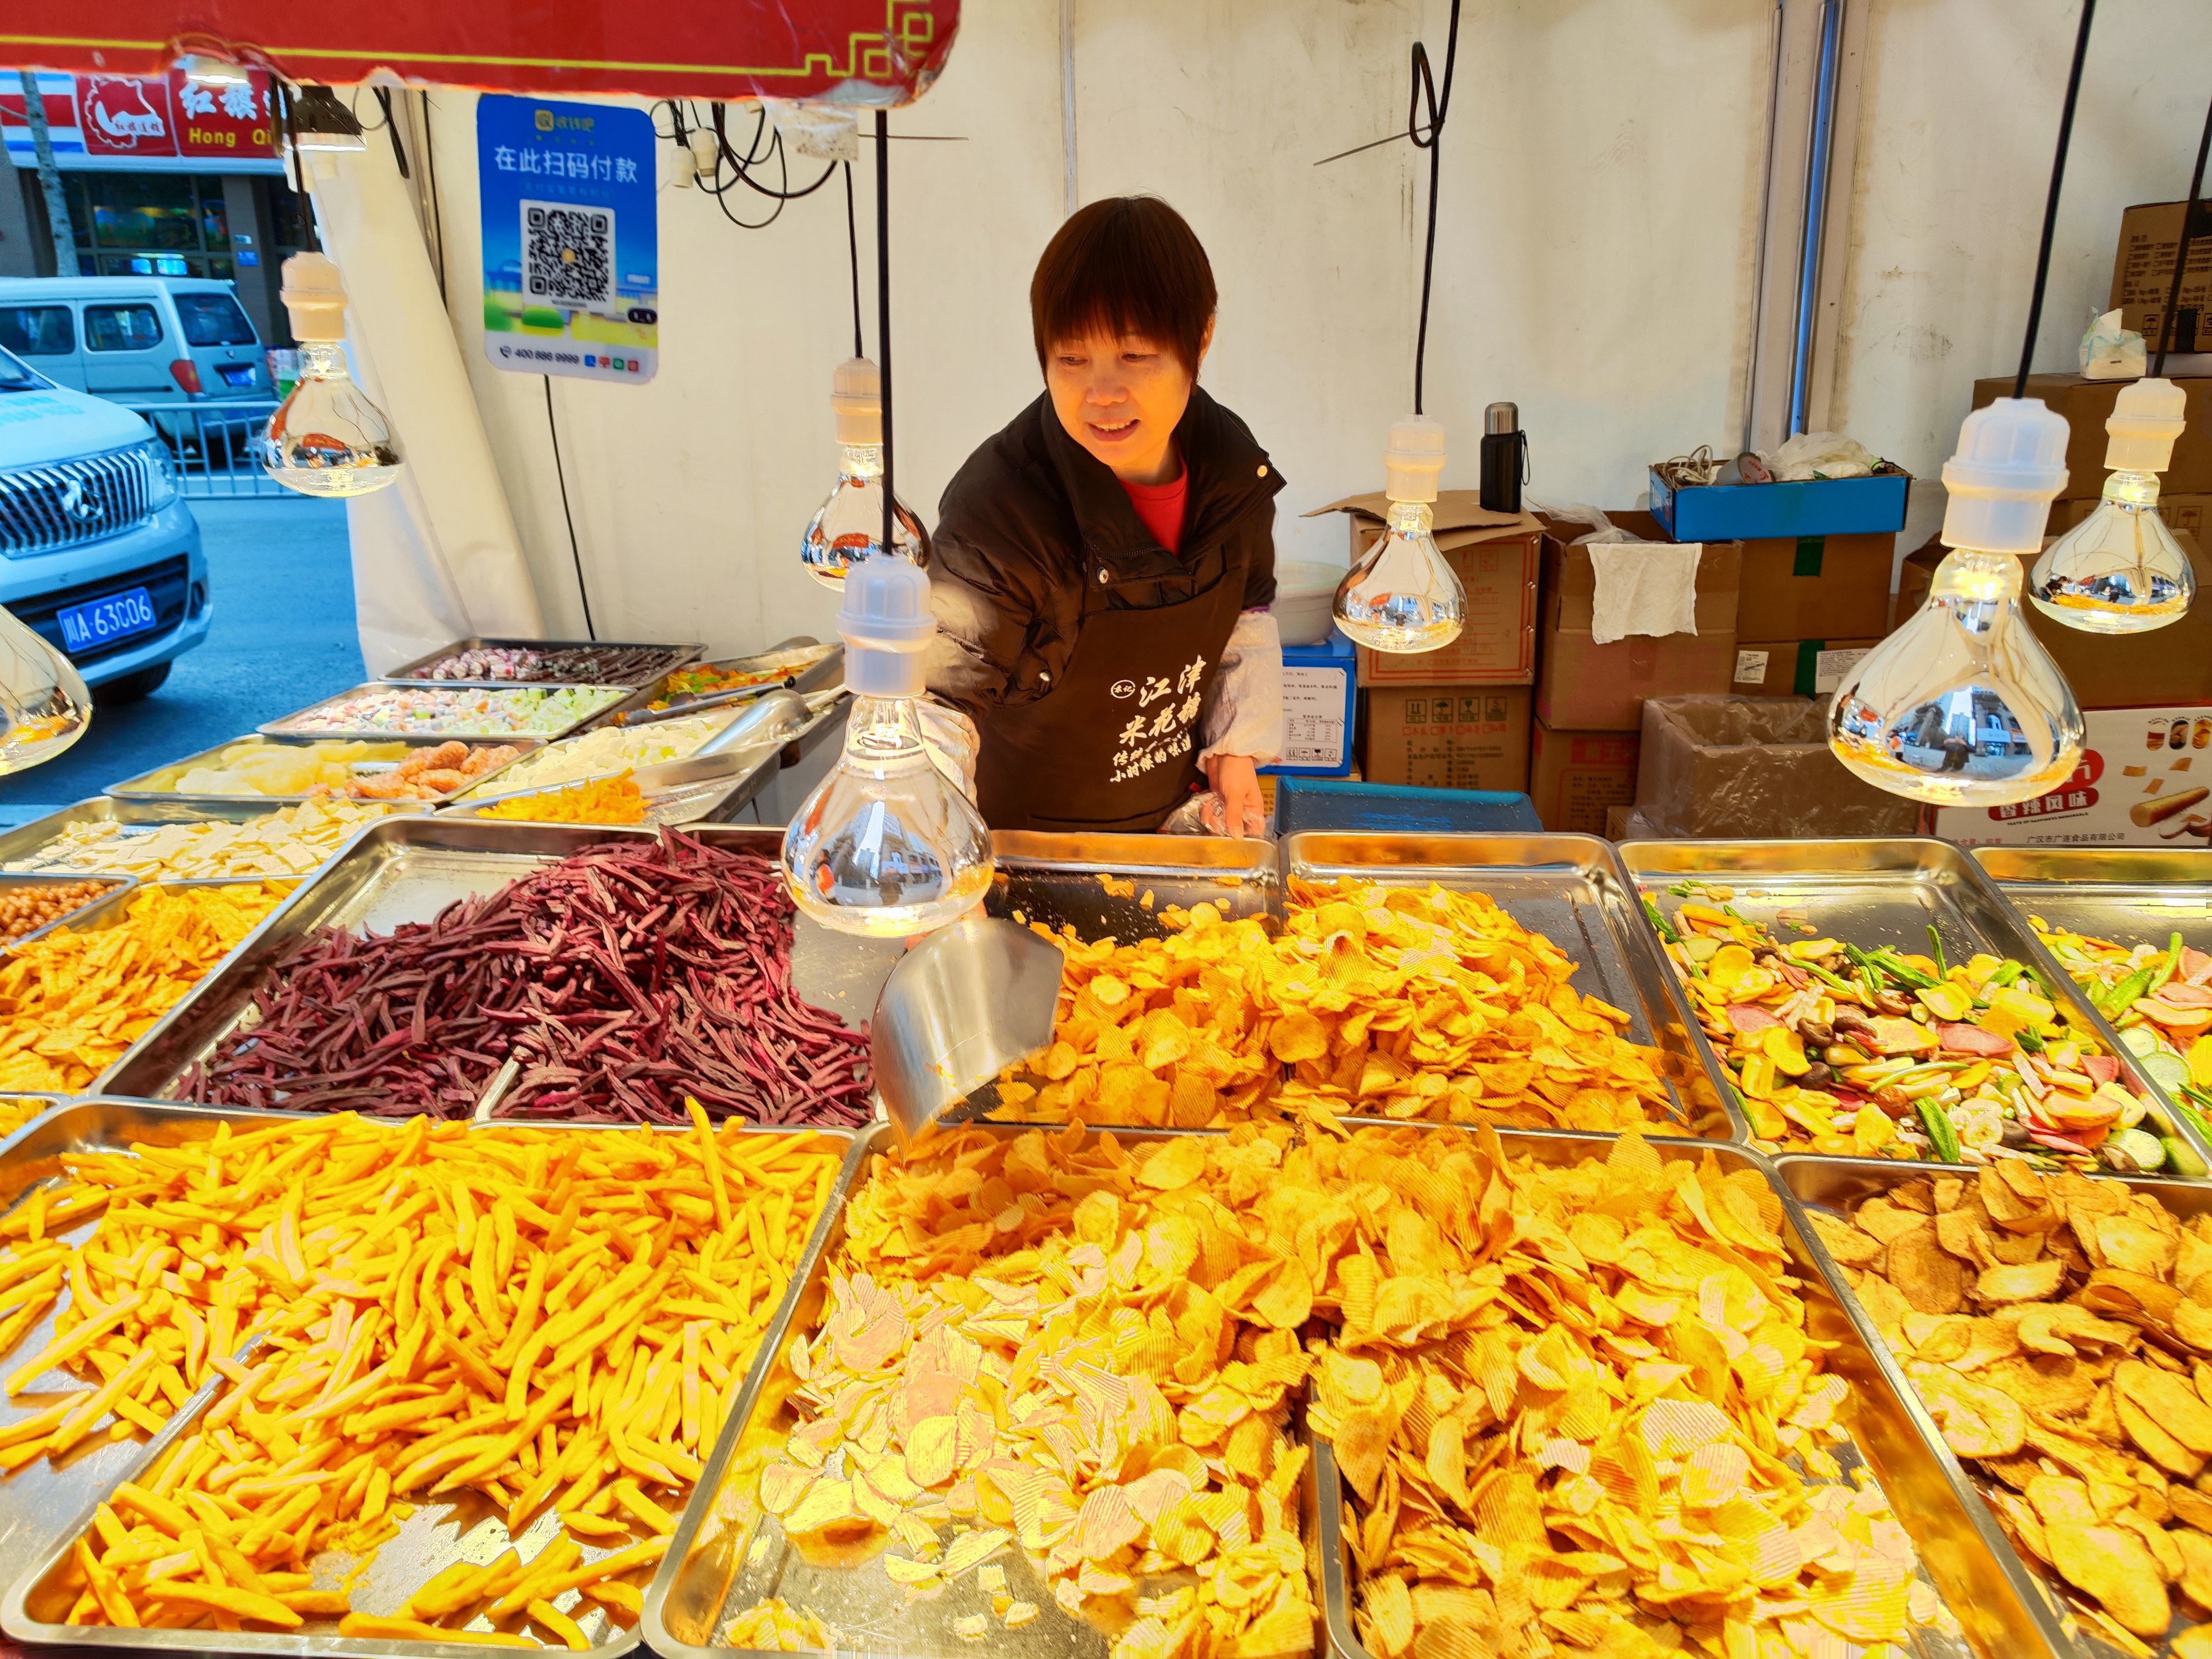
(160, 474)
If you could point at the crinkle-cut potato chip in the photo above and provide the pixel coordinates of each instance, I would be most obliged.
(70, 1003)
(1577, 1407)
(2083, 1390)
(1374, 1001)
(774, 1626)
(1078, 1347)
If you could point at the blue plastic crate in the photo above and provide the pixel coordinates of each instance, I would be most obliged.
(1303, 803)
(1813, 507)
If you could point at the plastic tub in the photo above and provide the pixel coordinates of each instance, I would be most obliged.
(1303, 594)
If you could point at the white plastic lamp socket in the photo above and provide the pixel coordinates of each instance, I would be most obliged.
(1402, 596)
(886, 846)
(326, 438)
(849, 526)
(2120, 570)
(1962, 705)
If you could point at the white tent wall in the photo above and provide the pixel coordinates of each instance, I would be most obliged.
(1602, 175)
(1958, 118)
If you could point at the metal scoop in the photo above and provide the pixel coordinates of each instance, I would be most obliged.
(976, 996)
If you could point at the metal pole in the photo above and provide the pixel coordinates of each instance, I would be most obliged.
(49, 178)
(1067, 97)
(1816, 209)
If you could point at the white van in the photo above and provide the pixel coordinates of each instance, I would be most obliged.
(135, 340)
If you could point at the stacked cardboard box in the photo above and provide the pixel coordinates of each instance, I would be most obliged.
(1458, 718)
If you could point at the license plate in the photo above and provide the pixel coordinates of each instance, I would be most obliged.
(237, 376)
(86, 627)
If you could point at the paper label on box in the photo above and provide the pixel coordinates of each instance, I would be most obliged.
(1313, 716)
(2145, 780)
(1751, 667)
(1829, 667)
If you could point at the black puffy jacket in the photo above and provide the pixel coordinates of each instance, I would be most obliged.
(1006, 575)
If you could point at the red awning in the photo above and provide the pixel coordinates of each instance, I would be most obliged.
(836, 50)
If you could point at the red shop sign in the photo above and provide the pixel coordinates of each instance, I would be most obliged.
(861, 51)
(150, 117)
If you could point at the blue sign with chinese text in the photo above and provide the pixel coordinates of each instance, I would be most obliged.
(571, 238)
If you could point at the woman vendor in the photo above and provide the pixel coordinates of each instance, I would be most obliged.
(1102, 567)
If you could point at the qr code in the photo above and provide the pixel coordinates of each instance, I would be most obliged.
(568, 255)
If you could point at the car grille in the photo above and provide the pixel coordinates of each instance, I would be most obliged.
(167, 584)
(65, 503)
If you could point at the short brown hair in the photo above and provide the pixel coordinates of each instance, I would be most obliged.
(1127, 264)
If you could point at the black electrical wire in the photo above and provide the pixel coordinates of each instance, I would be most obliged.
(853, 243)
(384, 102)
(884, 314)
(775, 150)
(2051, 205)
(437, 211)
(1425, 90)
(574, 554)
(2181, 252)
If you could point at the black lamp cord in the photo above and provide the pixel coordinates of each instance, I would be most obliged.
(884, 312)
(2051, 205)
(852, 246)
(2181, 254)
(1424, 91)
(582, 592)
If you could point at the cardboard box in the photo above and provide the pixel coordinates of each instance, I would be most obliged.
(1319, 697)
(1496, 556)
(1797, 668)
(2109, 671)
(1616, 823)
(1812, 587)
(1806, 507)
(1754, 767)
(1575, 777)
(1448, 737)
(2143, 274)
(2086, 405)
(2143, 779)
(2190, 513)
(1583, 686)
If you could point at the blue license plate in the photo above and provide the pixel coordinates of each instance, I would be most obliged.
(103, 621)
(243, 376)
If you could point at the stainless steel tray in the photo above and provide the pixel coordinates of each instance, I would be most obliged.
(1876, 892)
(1571, 889)
(287, 726)
(811, 666)
(410, 869)
(723, 1558)
(26, 840)
(1998, 1606)
(43, 1510)
(93, 912)
(783, 725)
(410, 673)
(139, 790)
(708, 789)
(1836, 1184)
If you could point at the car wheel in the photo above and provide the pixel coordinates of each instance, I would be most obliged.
(130, 688)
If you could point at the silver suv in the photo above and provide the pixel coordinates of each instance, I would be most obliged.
(99, 553)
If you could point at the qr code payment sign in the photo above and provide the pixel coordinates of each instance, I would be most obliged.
(568, 255)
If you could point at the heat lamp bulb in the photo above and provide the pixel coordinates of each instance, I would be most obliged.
(326, 438)
(887, 845)
(2120, 570)
(1402, 597)
(850, 526)
(42, 697)
(1962, 705)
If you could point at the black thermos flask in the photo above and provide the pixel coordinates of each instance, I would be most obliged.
(1503, 442)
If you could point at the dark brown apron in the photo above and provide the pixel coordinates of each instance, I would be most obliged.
(1114, 746)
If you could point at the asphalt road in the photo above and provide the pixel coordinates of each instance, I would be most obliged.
(281, 581)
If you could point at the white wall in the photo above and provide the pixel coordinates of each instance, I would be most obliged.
(1602, 178)
(1959, 117)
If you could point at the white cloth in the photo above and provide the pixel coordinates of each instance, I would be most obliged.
(1644, 587)
(1245, 714)
(435, 557)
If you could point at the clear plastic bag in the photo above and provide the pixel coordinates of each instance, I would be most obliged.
(1205, 814)
(2110, 352)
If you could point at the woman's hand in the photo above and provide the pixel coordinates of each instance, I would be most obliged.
(1237, 780)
